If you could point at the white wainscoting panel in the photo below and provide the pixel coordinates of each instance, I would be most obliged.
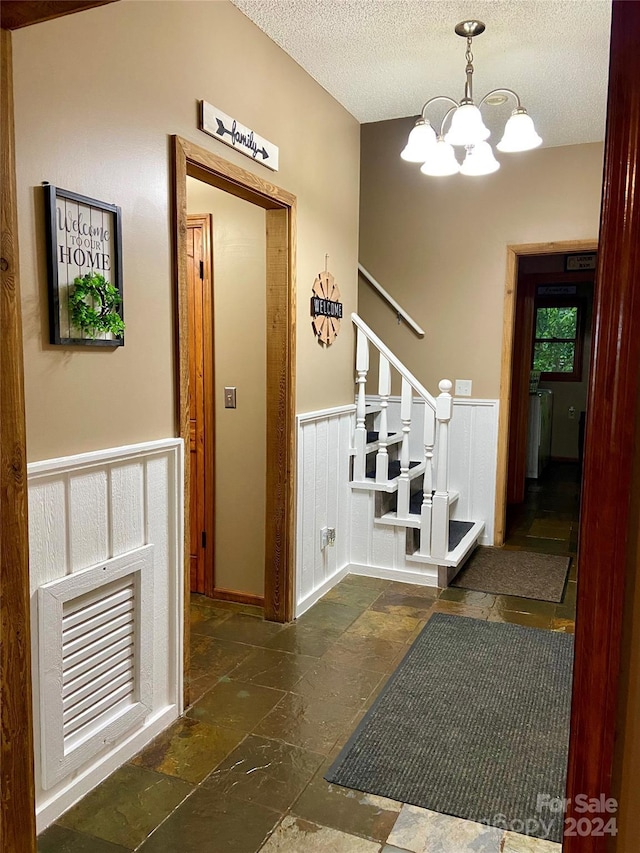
(323, 500)
(473, 459)
(99, 510)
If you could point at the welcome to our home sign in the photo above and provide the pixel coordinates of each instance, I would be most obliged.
(226, 129)
(84, 235)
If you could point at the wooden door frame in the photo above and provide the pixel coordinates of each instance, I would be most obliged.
(205, 221)
(17, 813)
(190, 160)
(514, 252)
(605, 539)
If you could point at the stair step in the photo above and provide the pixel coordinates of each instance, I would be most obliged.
(463, 536)
(391, 485)
(373, 444)
(457, 531)
(394, 469)
(372, 435)
(415, 503)
(391, 518)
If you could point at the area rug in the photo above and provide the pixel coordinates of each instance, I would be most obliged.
(474, 723)
(521, 573)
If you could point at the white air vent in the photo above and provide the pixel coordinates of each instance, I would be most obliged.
(95, 658)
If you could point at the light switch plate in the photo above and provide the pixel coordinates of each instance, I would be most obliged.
(463, 388)
(229, 398)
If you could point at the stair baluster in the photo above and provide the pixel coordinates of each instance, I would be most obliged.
(360, 439)
(427, 488)
(384, 390)
(440, 513)
(404, 484)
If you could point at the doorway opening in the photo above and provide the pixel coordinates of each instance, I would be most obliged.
(226, 273)
(278, 208)
(551, 358)
(536, 279)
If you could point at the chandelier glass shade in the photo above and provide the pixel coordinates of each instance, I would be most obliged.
(434, 147)
(421, 138)
(479, 160)
(467, 127)
(519, 133)
(441, 160)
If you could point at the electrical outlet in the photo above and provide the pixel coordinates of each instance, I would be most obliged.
(572, 413)
(324, 538)
(331, 532)
(463, 388)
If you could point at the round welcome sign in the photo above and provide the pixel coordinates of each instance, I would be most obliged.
(326, 308)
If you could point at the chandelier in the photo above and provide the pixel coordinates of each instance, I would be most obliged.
(435, 149)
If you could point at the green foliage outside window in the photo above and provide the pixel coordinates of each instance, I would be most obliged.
(555, 341)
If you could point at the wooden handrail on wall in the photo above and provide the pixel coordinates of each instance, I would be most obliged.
(402, 314)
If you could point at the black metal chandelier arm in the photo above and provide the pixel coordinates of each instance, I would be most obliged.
(502, 91)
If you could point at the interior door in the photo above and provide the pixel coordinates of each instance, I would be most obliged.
(201, 426)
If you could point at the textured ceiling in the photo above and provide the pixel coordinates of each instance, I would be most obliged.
(382, 59)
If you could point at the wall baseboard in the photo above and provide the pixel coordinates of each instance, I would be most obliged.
(316, 595)
(237, 597)
(429, 577)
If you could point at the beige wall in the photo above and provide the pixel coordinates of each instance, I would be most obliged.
(239, 298)
(439, 246)
(97, 96)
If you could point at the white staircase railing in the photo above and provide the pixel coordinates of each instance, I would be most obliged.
(434, 465)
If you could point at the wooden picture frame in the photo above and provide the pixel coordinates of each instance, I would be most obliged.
(75, 247)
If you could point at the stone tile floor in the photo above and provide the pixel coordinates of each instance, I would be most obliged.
(271, 707)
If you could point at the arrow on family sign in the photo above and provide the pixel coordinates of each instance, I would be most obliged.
(247, 141)
(229, 130)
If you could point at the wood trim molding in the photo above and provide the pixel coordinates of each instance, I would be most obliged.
(508, 328)
(17, 823)
(610, 434)
(234, 179)
(238, 597)
(15, 14)
(280, 205)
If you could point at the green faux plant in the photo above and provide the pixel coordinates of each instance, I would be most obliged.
(94, 305)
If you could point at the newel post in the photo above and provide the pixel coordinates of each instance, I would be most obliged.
(427, 488)
(362, 368)
(440, 515)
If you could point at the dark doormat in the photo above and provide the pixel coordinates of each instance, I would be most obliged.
(521, 573)
(473, 723)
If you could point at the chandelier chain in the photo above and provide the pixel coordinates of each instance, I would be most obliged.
(468, 54)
